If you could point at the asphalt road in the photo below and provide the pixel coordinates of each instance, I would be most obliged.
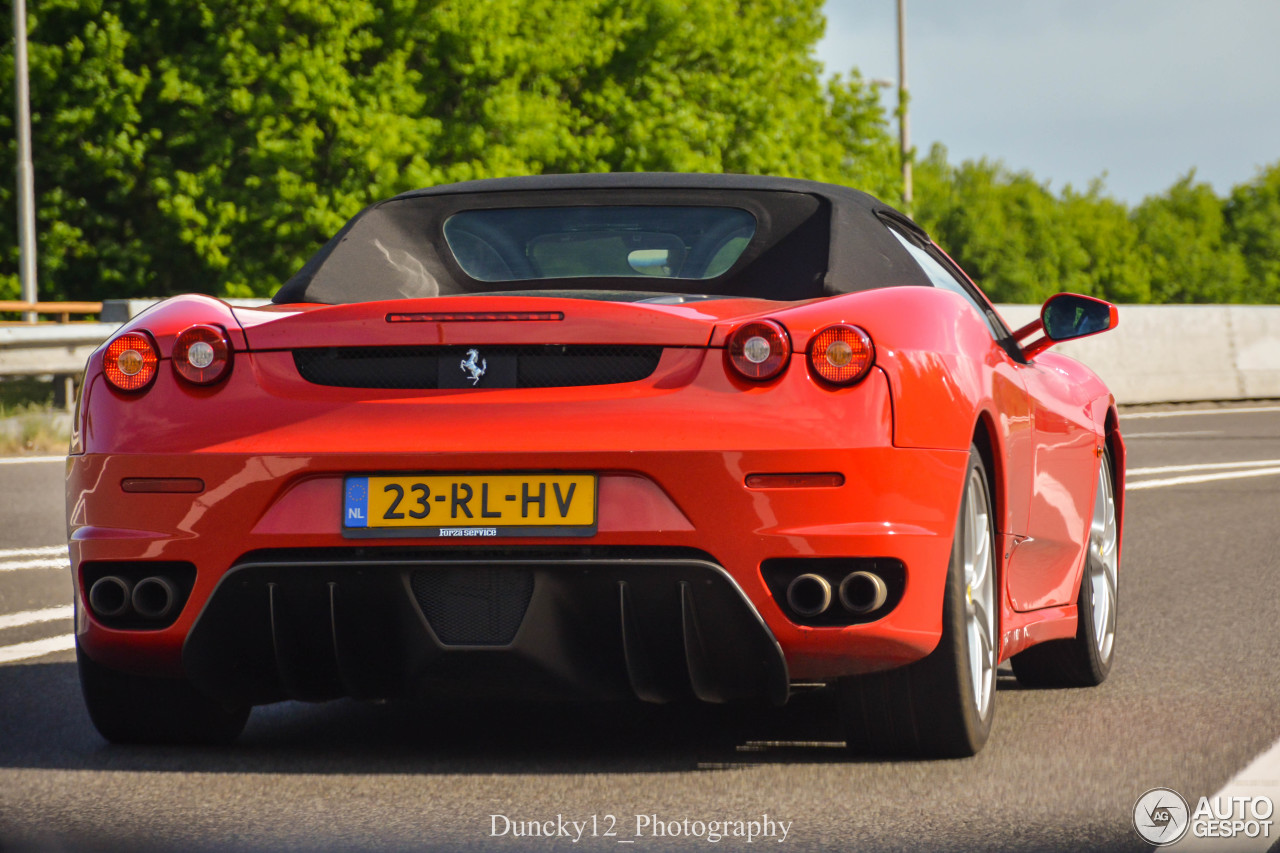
(1192, 699)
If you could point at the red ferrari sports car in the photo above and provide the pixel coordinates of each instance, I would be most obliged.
(618, 436)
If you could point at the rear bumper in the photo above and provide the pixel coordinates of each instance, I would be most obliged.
(672, 475)
(894, 504)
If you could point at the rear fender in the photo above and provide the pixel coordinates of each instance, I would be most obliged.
(166, 319)
(926, 340)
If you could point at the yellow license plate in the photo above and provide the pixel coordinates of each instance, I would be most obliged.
(470, 505)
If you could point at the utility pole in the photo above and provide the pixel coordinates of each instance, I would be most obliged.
(904, 124)
(26, 173)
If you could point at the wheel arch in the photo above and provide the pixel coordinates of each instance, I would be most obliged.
(1115, 445)
(986, 439)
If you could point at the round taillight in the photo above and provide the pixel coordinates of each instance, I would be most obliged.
(130, 362)
(202, 355)
(842, 354)
(759, 350)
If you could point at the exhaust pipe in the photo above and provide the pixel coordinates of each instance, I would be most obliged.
(153, 598)
(809, 595)
(110, 596)
(863, 592)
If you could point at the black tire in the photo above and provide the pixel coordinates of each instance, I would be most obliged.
(1085, 659)
(127, 708)
(932, 708)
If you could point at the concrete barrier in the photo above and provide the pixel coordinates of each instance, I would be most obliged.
(1180, 353)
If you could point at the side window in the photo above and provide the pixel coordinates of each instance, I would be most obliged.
(943, 278)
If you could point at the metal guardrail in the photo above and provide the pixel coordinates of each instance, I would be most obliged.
(58, 349)
(62, 348)
(61, 310)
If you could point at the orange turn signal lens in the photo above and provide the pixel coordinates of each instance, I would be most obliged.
(759, 351)
(841, 355)
(130, 361)
(202, 354)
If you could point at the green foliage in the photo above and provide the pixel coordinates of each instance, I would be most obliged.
(1252, 217)
(207, 146)
(1023, 243)
(212, 145)
(1192, 256)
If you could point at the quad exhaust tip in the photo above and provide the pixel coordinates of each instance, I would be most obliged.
(809, 594)
(153, 598)
(863, 592)
(110, 596)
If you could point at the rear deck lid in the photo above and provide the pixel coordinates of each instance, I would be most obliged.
(599, 319)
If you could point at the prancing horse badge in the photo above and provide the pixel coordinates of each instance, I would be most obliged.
(474, 366)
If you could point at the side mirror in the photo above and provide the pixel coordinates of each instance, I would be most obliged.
(1065, 317)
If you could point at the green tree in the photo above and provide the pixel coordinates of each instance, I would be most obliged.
(1187, 248)
(1103, 253)
(1252, 217)
(212, 145)
(203, 145)
(1022, 243)
(997, 224)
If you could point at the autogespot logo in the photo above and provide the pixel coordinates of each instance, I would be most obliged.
(1161, 816)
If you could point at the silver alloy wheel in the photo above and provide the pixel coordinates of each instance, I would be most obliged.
(979, 581)
(1104, 561)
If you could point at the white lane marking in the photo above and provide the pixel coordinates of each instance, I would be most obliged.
(43, 551)
(1130, 436)
(54, 563)
(18, 460)
(1199, 478)
(1203, 466)
(1133, 415)
(35, 617)
(37, 648)
(1261, 778)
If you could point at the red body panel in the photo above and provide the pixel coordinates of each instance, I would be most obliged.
(672, 451)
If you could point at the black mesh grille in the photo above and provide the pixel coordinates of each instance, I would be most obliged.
(553, 367)
(508, 366)
(481, 606)
(368, 367)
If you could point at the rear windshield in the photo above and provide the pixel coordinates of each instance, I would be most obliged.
(526, 244)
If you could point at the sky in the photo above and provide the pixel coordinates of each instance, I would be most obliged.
(1138, 92)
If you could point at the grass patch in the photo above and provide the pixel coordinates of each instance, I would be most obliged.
(23, 394)
(36, 431)
(29, 422)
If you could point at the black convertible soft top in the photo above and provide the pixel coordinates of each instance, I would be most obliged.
(811, 240)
